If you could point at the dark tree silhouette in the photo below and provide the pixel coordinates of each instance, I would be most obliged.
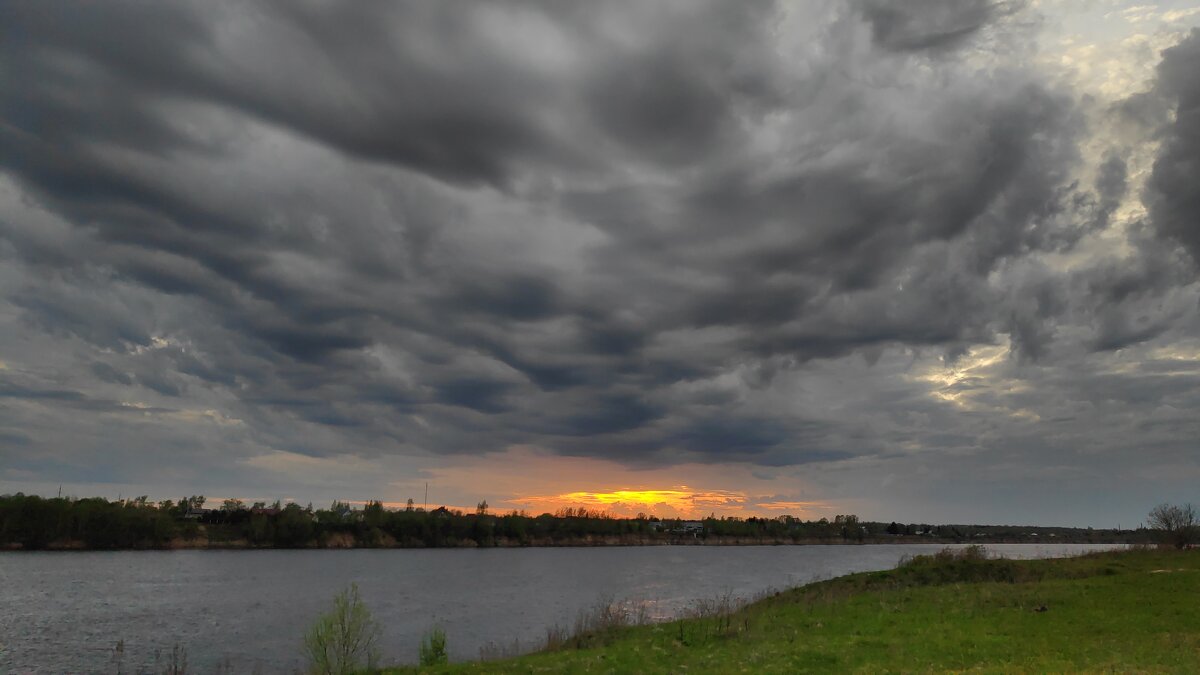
(1177, 525)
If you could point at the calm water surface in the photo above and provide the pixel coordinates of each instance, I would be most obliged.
(245, 611)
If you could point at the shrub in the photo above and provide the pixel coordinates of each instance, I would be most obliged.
(433, 648)
(1178, 526)
(346, 639)
(968, 564)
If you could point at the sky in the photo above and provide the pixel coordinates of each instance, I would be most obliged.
(924, 261)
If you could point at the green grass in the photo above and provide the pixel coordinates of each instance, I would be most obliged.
(1134, 611)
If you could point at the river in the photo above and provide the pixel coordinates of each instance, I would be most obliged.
(246, 611)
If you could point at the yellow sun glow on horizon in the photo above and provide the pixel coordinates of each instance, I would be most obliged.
(680, 501)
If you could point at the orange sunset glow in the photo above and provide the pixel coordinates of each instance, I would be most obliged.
(677, 502)
(536, 481)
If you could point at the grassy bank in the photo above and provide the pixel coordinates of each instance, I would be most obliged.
(1134, 611)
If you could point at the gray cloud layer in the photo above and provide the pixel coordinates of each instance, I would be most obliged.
(627, 230)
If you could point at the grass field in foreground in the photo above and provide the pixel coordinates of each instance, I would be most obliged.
(1129, 611)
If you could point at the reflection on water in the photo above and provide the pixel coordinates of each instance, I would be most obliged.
(247, 610)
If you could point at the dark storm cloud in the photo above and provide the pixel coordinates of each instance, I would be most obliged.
(475, 393)
(1139, 298)
(628, 230)
(313, 74)
(109, 374)
(1173, 198)
(70, 399)
(679, 100)
(1111, 186)
(930, 24)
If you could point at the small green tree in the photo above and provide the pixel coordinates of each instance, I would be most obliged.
(345, 640)
(433, 648)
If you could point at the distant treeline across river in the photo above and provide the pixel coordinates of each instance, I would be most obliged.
(34, 523)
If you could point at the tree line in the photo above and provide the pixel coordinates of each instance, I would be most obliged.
(32, 522)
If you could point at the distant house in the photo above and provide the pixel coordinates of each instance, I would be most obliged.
(692, 527)
(196, 513)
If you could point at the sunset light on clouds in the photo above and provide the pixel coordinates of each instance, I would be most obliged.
(681, 500)
(530, 480)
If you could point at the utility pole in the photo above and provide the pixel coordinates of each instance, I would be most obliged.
(426, 496)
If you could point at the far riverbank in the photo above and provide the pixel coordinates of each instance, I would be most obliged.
(349, 542)
(29, 522)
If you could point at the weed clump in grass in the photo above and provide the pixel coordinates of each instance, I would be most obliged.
(433, 648)
(178, 663)
(346, 639)
(496, 651)
(607, 621)
(599, 625)
(716, 615)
